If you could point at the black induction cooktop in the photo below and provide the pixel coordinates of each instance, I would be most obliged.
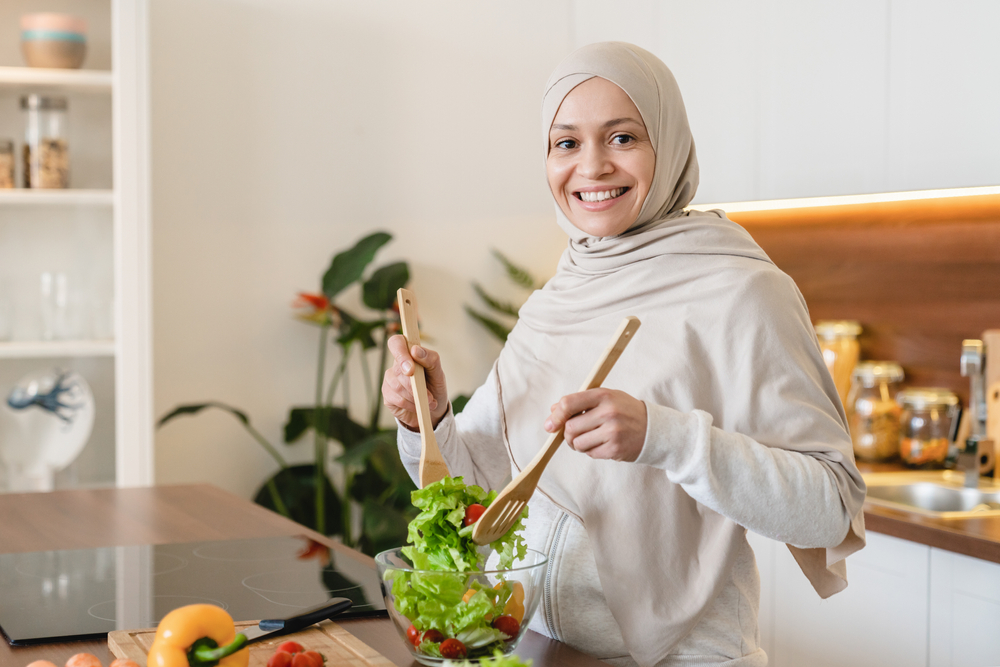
(51, 596)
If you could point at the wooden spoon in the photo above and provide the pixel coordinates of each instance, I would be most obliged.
(432, 465)
(507, 507)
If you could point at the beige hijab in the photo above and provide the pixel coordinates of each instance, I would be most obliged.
(724, 331)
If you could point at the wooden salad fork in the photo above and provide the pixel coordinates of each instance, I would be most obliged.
(432, 465)
(505, 509)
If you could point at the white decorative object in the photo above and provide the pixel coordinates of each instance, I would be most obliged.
(44, 425)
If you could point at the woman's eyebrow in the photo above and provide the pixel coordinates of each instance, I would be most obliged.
(611, 123)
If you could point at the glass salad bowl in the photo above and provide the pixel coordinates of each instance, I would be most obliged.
(448, 615)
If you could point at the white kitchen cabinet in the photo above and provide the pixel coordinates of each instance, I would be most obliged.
(964, 611)
(96, 232)
(880, 619)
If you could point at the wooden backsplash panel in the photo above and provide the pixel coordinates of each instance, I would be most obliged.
(919, 278)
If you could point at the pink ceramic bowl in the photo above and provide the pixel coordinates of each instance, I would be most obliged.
(53, 40)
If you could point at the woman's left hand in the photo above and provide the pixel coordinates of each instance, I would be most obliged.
(601, 423)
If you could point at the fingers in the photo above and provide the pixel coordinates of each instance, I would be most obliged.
(573, 404)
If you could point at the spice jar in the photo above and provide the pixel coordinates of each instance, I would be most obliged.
(927, 418)
(872, 412)
(838, 340)
(46, 148)
(6, 164)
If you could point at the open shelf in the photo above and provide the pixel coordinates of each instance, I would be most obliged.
(52, 349)
(65, 79)
(67, 197)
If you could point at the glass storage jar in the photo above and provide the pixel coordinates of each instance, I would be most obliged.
(838, 340)
(6, 164)
(46, 144)
(872, 412)
(926, 422)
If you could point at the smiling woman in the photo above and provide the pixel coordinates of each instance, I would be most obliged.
(719, 418)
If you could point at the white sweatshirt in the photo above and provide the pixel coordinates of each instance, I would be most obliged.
(777, 493)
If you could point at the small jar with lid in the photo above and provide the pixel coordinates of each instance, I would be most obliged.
(46, 142)
(926, 422)
(872, 411)
(838, 340)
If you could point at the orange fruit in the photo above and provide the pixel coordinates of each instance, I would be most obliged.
(83, 660)
(515, 605)
(42, 663)
(124, 662)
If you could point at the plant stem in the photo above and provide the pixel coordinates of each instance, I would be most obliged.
(366, 374)
(279, 504)
(259, 437)
(345, 509)
(376, 413)
(337, 374)
(320, 442)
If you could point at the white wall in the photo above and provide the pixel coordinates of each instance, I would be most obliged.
(283, 130)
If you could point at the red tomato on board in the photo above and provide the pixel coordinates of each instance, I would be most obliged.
(289, 647)
(316, 657)
(280, 659)
(413, 635)
(432, 636)
(303, 660)
(507, 625)
(472, 513)
(453, 649)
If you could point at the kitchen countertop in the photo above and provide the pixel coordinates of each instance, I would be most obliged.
(978, 537)
(185, 513)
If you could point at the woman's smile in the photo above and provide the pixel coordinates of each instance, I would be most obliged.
(600, 162)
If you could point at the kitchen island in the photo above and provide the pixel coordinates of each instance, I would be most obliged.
(185, 513)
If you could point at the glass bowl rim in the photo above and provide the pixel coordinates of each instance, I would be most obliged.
(380, 560)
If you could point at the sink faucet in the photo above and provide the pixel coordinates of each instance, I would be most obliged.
(973, 366)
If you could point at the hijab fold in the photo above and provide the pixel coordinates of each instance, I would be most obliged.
(723, 331)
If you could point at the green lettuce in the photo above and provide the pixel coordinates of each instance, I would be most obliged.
(498, 660)
(441, 545)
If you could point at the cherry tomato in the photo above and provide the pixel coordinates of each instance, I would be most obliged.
(302, 660)
(453, 649)
(507, 625)
(289, 647)
(316, 657)
(472, 513)
(413, 635)
(432, 636)
(280, 659)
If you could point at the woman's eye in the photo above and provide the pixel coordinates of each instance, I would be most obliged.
(622, 139)
(566, 144)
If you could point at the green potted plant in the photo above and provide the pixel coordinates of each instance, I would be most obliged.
(374, 477)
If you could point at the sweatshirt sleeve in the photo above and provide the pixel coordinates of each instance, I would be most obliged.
(471, 441)
(785, 495)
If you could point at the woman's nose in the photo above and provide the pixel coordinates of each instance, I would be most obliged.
(594, 162)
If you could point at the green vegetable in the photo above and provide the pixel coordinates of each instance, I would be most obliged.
(498, 660)
(439, 538)
(442, 546)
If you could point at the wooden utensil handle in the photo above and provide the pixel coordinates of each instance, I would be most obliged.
(418, 383)
(623, 336)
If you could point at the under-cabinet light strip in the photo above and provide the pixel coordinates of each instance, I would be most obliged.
(811, 202)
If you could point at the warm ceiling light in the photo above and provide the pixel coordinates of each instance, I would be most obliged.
(810, 202)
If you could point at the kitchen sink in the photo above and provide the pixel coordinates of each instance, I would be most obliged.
(939, 494)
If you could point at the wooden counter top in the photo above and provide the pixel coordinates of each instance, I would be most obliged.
(184, 513)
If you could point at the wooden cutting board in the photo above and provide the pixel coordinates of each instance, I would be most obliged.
(338, 645)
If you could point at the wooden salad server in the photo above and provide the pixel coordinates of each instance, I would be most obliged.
(432, 465)
(504, 511)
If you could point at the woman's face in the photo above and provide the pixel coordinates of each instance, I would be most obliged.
(600, 161)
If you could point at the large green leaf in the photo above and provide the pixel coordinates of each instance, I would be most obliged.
(494, 327)
(348, 266)
(495, 304)
(297, 488)
(195, 408)
(458, 403)
(516, 273)
(379, 291)
(337, 425)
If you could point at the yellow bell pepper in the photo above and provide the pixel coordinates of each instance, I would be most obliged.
(202, 624)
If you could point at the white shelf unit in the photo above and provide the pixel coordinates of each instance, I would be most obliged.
(120, 85)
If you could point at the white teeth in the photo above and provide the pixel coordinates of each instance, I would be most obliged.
(601, 196)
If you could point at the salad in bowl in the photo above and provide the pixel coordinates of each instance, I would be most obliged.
(444, 602)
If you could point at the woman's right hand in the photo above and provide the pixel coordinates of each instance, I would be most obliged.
(397, 394)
